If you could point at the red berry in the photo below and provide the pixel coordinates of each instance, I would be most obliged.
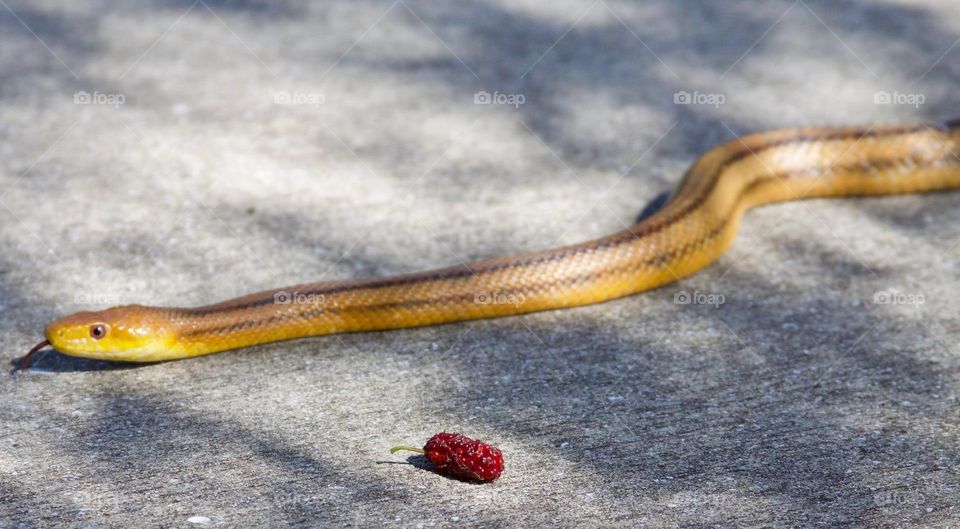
(461, 456)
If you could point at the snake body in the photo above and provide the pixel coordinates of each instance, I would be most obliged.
(688, 233)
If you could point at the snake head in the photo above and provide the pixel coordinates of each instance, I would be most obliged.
(132, 333)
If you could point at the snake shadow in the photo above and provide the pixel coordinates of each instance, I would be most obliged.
(52, 361)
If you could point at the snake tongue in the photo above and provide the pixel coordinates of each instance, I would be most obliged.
(25, 363)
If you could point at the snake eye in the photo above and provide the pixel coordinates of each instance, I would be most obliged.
(98, 330)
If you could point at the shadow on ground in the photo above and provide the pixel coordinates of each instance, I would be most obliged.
(782, 405)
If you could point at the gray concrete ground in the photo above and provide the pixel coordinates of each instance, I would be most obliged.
(169, 152)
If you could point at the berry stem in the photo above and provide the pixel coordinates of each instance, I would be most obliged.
(405, 447)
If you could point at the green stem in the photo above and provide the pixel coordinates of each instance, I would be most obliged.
(405, 447)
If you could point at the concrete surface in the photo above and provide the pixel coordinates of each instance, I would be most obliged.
(231, 146)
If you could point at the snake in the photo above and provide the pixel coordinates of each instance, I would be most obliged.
(689, 232)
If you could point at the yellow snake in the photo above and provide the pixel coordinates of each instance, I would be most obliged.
(689, 232)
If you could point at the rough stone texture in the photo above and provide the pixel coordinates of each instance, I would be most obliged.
(799, 401)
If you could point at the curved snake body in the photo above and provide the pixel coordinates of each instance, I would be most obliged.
(689, 232)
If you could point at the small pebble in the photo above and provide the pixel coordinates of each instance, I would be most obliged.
(203, 520)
